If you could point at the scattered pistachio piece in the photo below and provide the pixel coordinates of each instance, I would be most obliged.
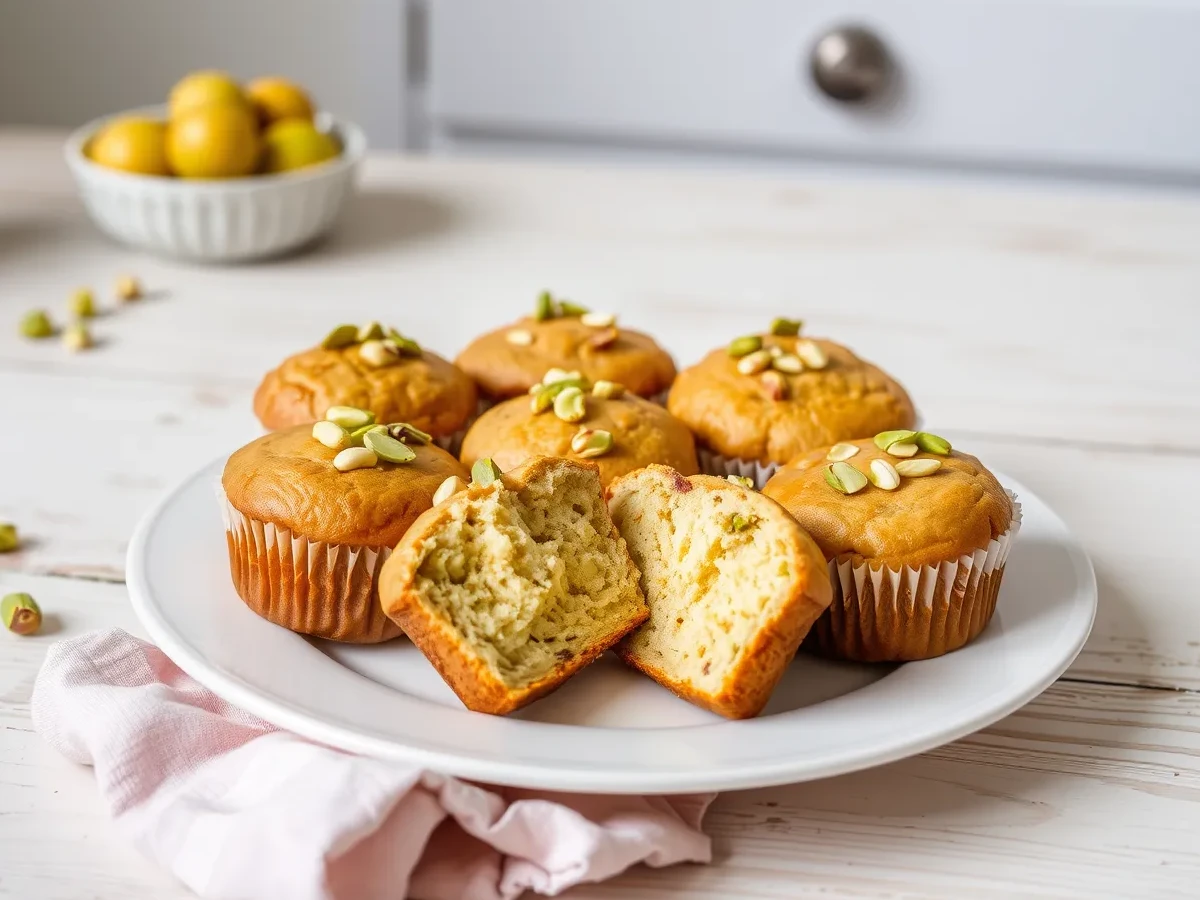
(917, 468)
(355, 458)
(404, 346)
(841, 452)
(547, 393)
(740, 523)
(357, 435)
(21, 614)
(349, 417)
(570, 405)
(36, 324)
(741, 481)
(591, 442)
(83, 304)
(742, 346)
(885, 439)
(607, 390)
(519, 337)
(753, 363)
(377, 354)
(77, 337)
(786, 327)
(775, 350)
(774, 384)
(903, 449)
(604, 338)
(372, 331)
(788, 362)
(567, 308)
(484, 472)
(342, 336)
(409, 434)
(331, 434)
(129, 288)
(9, 539)
(553, 376)
(883, 475)
(388, 448)
(448, 489)
(932, 443)
(533, 389)
(598, 319)
(811, 354)
(841, 476)
(544, 307)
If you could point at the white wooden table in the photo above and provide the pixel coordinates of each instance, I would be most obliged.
(1054, 332)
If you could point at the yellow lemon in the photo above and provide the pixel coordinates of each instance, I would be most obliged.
(294, 144)
(214, 142)
(207, 88)
(275, 99)
(131, 144)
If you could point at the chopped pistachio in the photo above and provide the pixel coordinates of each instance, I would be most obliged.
(567, 308)
(753, 363)
(129, 288)
(519, 337)
(21, 614)
(741, 481)
(409, 434)
(77, 337)
(604, 338)
(404, 346)
(83, 304)
(590, 443)
(843, 477)
(372, 331)
(775, 384)
(355, 458)
(9, 539)
(738, 522)
(448, 489)
(342, 336)
(331, 434)
(571, 404)
(932, 443)
(788, 362)
(484, 472)
(554, 376)
(775, 350)
(36, 324)
(883, 475)
(607, 390)
(388, 448)
(903, 449)
(742, 346)
(357, 435)
(917, 468)
(811, 354)
(786, 327)
(377, 353)
(544, 307)
(885, 439)
(547, 393)
(841, 452)
(598, 319)
(349, 417)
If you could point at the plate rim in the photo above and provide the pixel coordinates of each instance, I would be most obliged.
(285, 714)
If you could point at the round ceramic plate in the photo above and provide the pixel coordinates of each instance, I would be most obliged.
(608, 729)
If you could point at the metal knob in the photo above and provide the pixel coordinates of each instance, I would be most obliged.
(850, 64)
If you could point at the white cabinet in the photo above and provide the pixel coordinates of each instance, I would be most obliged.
(1097, 84)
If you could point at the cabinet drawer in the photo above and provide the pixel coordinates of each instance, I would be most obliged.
(1063, 82)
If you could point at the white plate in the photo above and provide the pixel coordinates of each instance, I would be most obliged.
(608, 729)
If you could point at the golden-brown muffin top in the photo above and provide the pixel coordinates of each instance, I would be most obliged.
(926, 520)
(736, 414)
(643, 433)
(287, 478)
(426, 390)
(504, 369)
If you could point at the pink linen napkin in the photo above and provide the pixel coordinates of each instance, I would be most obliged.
(238, 809)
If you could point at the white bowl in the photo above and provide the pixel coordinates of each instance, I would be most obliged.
(223, 220)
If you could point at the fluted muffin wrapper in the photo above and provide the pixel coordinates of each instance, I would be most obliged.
(312, 587)
(715, 464)
(883, 615)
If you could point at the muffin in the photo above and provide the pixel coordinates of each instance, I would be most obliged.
(515, 584)
(370, 368)
(307, 541)
(562, 335)
(568, 417)
(917, 536)
(766, 399)
(720, 634)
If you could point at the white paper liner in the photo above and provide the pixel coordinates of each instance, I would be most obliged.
(343, 574)
(952, 582)
(715, 464)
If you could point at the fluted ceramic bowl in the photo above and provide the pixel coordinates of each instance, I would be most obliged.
(220, 220)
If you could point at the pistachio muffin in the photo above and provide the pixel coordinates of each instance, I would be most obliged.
(312, 512)
(563, 335)
(566, 416)
(916, 534)
(374, 368)
(765, 399)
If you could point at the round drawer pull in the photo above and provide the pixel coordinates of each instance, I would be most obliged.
(850, 64)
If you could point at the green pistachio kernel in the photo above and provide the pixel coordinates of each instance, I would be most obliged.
(357, 435)
(349, 417)
(571, 404)
(545, 396)
(741, 523)
(83, 304)
(741, 481)
(387, 447)
(372, 331)
(332, 435)
(932, 443)
(21, 614)
(544, 307)
(484, 472)
(342, 336)
(885, 439)
(786, 327)
(743, 346)
(9, 539)
(567, 308)
(36, 324)
(404, 346)
(409, 434)
(917, 468)
(843, 477)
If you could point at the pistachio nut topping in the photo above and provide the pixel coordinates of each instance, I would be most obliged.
(372, 331)
(83, 304)
(404, 346)
(608, 390)
(598, 319)
(36, 324)
(377, 354)
(917, 468)
(129, 288)
(811, 354)
(932, 443)
(484, 472)
(388, 448)
(903, 449)
(77, 337)
(741, 481)
(591, 442)
(548, 393)
(786, 327)
(331, 434)
(571, 404)
(738, 522)
(357, 435)
(544, 307)
(355, 458)
(788, 362)
(841, 452)
(553, 376)
(342, 336)
(604, 338)
(448, 489)
(9, 539)
(742, 346)
(519, 337)
(843, 477)
(753, 363)
(885, 439)
(775, 384)
(21, 614)
(883, 475)
(775, 350)
(409, 434)
(349, 417)
(567, 308)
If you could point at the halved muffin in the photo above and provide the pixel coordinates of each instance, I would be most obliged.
(511, 587)
(732, 582)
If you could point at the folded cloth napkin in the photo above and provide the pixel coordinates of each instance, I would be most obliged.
(238, 809)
